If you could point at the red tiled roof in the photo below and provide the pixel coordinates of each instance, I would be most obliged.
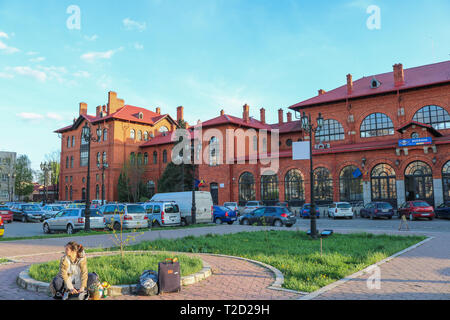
(287, 126)
(414, 77)
(127, 113)
(227, 119)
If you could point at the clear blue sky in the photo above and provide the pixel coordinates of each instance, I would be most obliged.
(203, 54)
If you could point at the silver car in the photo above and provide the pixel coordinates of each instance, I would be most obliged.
(164, 213)
(72, 220)
(252, 205)
(127, 216)
(50, 210)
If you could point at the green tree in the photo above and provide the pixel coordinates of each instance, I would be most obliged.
(24, 176)
(123, 186)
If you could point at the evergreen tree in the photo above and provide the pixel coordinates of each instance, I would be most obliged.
(170, 180)
(24, 176)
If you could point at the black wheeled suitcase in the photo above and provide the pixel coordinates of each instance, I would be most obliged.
(169, 276)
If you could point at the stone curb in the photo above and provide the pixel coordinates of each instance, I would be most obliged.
(333, 285)
(26, 282)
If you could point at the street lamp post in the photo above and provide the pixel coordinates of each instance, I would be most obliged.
(45, 167)
(194, 208)
(103, 167)
(10, 194)
(308, 126)
(87, 136)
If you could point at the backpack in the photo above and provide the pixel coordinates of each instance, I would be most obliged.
(148, 283)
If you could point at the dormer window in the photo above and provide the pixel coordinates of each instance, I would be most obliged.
(374, 83)
(141, 115)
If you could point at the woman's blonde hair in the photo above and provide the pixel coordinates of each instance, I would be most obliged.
(78, 248)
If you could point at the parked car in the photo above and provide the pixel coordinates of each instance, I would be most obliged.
(357, 206)
(97, 203)
(284, 205)
(276, 216)
(27, 212)
(443, 211)
(73, 220)
(6, 214)
(162, 213)
(224, 214)
(232, 206)
(2, 227)
(252, 205)
(77, 205)
(340, 210)
(203, 204)
(416, 209)
(127, 216)
(50, 210)
(374, 210)
(305, 211)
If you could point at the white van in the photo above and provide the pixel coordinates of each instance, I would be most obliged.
(203, 205)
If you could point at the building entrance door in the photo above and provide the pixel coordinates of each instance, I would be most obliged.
(419, 182)
(215, 193)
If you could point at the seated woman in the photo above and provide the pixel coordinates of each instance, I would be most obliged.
(72, 279)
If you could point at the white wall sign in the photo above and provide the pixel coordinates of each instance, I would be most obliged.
(300, 150)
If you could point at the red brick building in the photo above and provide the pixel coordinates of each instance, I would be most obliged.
(385, 137)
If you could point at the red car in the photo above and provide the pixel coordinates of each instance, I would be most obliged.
(416, 209)
(6, 214)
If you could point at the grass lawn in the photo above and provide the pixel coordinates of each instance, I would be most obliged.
(96, 233)
(293, 253)
(116, 271)
(3, 260)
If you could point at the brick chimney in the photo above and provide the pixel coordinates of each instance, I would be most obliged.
(280, 116)
(289, 117)
(349, 84)
(114, 104)
(262, 113)
(180, 113)
(246, 113)
(222, 112)
(158, 110)
(97, 111)
(399, 75)
(83, 108)
(321, 92)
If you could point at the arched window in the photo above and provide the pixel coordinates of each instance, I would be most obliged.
(145, 136)
(323, 186)
(376, 125)
(140, 135)
(246, 188)
(289, 142)
(71, 162)
(446, 181)
(294, 188)
(84, 152)
(132, 134)
(434, 116)
(351, 184)
(255, 143)
(66, 193)
(383, 181)
(145, 158)
(83, 194)
(71, 193)
(331, 130)
(104, 157)
(97, 192)
(68, 142)
(67, 162)
(105, 134)
(155, 157)
(165, 156)
(419, 182)
(73, 141)
(214, 152)
(269, 189)
(132, 158)
(139, 159)
(98, 157)
(163, 129)
(264, 144)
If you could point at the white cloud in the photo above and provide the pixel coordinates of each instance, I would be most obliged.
(32, 53)
(54, 116)
(82, 74)
(134, 25)
(38, 59)
(3, 35)
(7, 49)
(5, 75)
(138, 46)
(29, 72)
(92, 56)
(91, 38)
(30, 116)
(52, 72)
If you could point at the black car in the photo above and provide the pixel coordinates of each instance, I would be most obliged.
(443, 211)
(377, 210)
(269, 216)
(27, 213)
